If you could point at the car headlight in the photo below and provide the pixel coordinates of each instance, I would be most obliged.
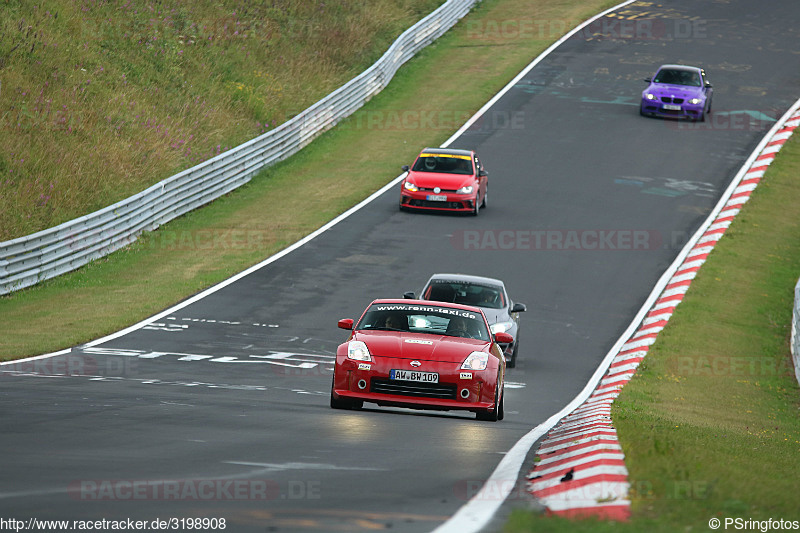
(358, 350)
(465, 190)
(695, 101)
(410, 186)
(476, 361)
(650, 96)
(501, 327)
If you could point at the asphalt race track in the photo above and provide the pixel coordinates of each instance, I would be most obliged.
(220, 409)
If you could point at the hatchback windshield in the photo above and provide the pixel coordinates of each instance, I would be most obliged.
(443, 163)
(428, 319)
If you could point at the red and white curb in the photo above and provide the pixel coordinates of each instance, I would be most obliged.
(580, 468)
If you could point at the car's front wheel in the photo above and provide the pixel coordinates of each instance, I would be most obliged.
(344, 403)
(497, 412)
(512, 361)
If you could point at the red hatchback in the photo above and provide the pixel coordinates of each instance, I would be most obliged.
(422, 355)
(445, 180)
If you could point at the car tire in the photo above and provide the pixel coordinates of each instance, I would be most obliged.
(501, 410)
(495, 413)
(476, 207)
(485, 195)
(344, 403)
(512, 362)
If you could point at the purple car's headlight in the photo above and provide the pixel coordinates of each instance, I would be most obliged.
(695, 101)
(650, 96)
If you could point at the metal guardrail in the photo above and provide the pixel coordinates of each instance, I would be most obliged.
(28, 260)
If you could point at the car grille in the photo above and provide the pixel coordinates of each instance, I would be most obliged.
(412, 388)
(668, 100)
(436, 205)
(442, 190)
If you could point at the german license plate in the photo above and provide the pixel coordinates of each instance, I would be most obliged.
(672, 107)
(413, 375)
(437, 197)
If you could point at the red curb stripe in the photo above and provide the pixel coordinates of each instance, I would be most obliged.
(589, 464)
(617, 512)
(567, 460)
(578, 483)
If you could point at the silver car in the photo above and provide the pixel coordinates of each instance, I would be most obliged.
(487, 293)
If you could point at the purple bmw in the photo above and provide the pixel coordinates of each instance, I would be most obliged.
(678, 91)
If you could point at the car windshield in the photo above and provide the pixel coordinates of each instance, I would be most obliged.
(443, 163)
(429, 319)
(460, 292)
(678, 77)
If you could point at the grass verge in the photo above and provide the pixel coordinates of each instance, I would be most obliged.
(710, 423)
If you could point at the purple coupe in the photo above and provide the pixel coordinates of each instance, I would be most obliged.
(678, 91)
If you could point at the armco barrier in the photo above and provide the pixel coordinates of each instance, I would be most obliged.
(28, 260)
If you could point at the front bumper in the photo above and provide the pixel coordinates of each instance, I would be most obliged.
(684, 110)
(454, 202)
(454, 390)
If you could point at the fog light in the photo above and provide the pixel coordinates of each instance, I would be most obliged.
(362, 384)
(465, 393)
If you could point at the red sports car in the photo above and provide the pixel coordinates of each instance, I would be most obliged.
(445, 180)
(422, 355)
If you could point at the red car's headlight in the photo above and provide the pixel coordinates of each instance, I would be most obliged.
(358, 350)
(465, 190)
(410, 186)
(476, 361)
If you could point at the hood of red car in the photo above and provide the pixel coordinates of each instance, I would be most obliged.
(429, 180)
(440, 348)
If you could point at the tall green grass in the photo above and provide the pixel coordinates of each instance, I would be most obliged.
(101, 99)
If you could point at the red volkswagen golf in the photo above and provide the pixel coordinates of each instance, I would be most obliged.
(422, 355)
(445, 180)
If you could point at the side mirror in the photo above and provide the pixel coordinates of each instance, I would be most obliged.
(405, 168)
(503, 338)
(648, 80)
(409, 295)
(346, 323)
(708, 85)
(518, 308)
(483, 173)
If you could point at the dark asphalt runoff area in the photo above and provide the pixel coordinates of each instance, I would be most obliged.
(220, 409)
